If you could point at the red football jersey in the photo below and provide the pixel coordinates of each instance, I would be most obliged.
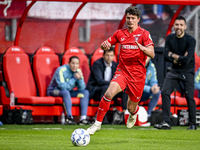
(131, 58)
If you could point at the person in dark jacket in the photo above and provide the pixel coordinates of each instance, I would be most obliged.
(102, 71)
(179, 50)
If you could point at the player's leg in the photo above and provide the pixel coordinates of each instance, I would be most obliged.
(67, 104)
(153, 102)
(134, 91)
(84, 101)
(170, 82)
(104, 105)
(133, 109)
(189, 94)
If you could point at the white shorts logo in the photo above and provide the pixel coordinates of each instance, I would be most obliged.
(116, 76)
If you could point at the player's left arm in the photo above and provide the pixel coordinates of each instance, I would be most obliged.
(149, 51)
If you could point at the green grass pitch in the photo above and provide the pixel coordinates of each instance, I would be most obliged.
(110, 137)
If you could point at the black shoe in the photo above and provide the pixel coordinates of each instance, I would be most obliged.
(70, 121)
(85, 122)
(192, 127)
(163, 125)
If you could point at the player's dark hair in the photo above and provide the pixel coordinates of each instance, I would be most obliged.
(72, 57)
(133, 10)
(180, 18)
(110, 50)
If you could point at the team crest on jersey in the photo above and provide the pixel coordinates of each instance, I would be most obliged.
(136, 37)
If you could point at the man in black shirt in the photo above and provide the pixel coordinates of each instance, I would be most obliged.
(179, 49)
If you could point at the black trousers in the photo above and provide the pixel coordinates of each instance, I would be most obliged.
(170, 82)
(100, 91)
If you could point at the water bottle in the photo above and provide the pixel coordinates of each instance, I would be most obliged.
(12, 99)
(63, 118)
(24, 116)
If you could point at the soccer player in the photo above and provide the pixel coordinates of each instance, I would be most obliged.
(136, 45)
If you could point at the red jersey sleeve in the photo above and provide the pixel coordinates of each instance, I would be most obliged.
(113, 39)
(147, 40)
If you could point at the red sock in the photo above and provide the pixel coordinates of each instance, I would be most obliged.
(104, 105)
(135, 112)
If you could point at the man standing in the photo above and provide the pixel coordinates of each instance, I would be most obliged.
(130, 72)
(102, 71)
(179, 49)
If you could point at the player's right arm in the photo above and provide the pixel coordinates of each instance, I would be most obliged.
(109, 42)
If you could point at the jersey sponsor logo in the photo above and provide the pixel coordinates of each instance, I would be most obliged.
(129, 47)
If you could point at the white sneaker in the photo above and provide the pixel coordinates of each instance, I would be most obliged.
(131, 120)
(93, 128)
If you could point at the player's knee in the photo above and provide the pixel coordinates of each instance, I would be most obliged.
(85, 93)
(109, 94)
(165, 93)
(65, 93)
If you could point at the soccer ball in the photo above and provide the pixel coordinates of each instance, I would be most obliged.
(80, 137)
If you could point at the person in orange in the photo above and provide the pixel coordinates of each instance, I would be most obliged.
(136, 45)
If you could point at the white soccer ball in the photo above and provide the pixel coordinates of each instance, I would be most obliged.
(80, 137)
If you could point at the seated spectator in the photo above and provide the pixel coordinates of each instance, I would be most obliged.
(151, 88)
(102, 71)
(197, 81)
(65, 78)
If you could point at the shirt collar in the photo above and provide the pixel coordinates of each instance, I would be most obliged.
(107, 64)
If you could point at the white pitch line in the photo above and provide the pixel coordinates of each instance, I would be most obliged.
(47, 128)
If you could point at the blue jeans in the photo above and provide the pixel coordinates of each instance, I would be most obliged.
(66, 95)
(153, 100)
